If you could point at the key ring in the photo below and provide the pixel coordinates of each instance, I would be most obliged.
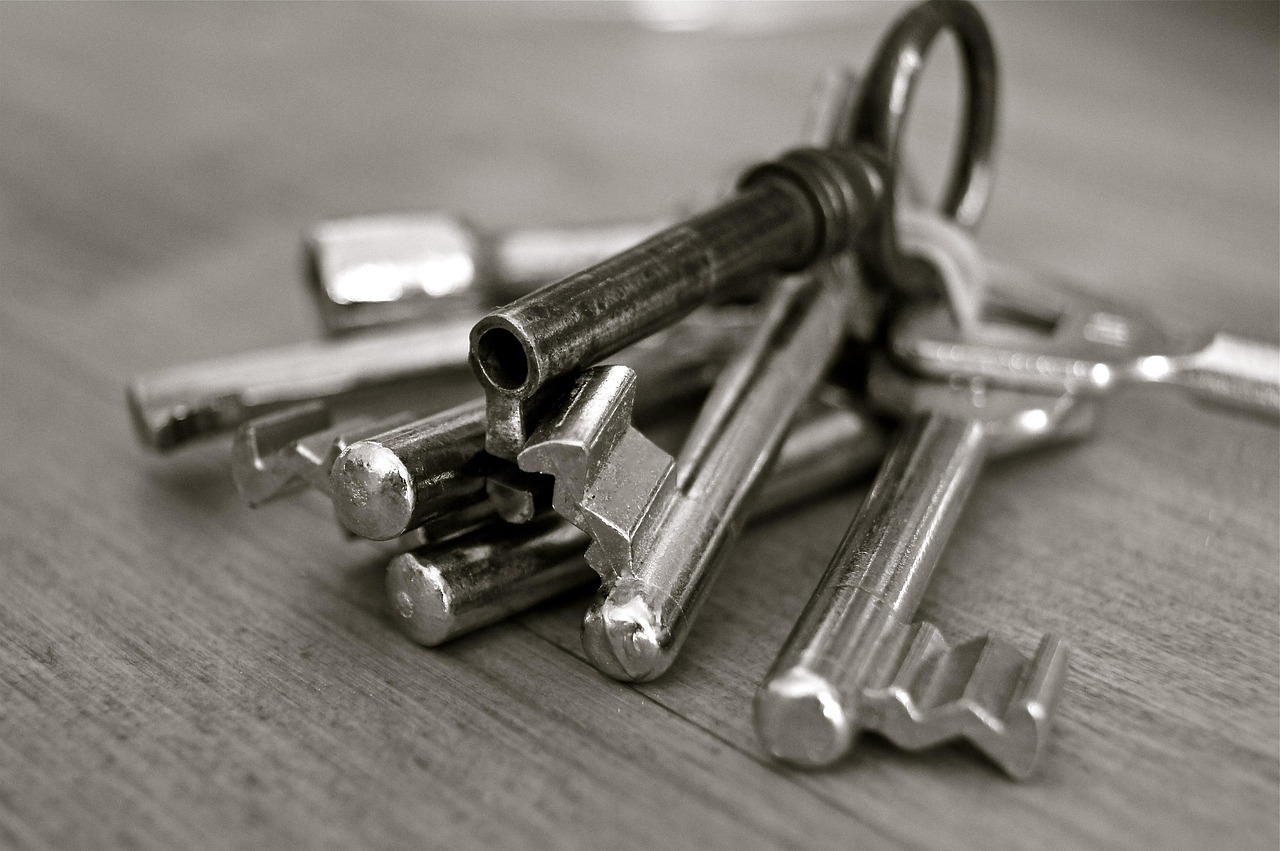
(883, 102)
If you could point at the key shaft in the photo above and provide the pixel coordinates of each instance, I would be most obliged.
(438, 593)
(379, 270)
(854, 660)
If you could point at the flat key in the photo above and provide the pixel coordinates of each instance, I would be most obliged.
(171, 408)
(388, 484)
(367, 271)
(443, 591)
(661, 527)
(1051, 337)
(855, 660)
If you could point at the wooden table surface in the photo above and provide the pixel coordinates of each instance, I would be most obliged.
(180, 671)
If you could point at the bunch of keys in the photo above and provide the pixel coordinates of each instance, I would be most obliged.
(546, 485)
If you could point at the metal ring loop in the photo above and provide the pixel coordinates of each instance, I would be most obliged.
(886, 95)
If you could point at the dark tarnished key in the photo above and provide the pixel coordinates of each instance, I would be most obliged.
(787, 214)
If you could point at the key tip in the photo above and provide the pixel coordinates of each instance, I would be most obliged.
(623, 638)
(801, 720)
(372, 490)
(420, 600)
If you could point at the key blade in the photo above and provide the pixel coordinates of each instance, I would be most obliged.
(983, 690)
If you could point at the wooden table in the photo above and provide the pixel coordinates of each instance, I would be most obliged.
(179, 671)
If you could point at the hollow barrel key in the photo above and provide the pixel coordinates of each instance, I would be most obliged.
(808, 204)
(855, 660)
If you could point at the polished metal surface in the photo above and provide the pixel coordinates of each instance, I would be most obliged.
(855, 660)
(173, 407)
(661, 527)
(440, 592)
(1052, 336)
(378, 270)
(388, 484)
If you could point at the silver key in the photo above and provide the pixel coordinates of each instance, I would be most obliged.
(662, 527)
(378, 270)
(1054, 337)
(855, 661)
(440, 592)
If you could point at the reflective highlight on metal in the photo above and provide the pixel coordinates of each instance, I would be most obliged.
(1052, 337)
(661, 527)
(440, 592)
(855, 660)
(379, 270)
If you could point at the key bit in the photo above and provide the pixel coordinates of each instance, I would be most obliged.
(289, 450)
(443, 591)
(661, 527)
(378, 270)
(1052, 336)
(854, 660)
(391, 483)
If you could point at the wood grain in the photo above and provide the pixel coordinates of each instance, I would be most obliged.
(180, 672)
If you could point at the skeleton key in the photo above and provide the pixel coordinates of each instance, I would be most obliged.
(808, 204)
(390, 483)
(367, 271)
(295, 448)
(661, 527)
(442, 591)
(1057, 337)
(855, 660)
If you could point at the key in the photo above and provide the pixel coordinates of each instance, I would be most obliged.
(660, 527)
(173, 407)
(787, 214)
(292, 449)
(1055, 337)
(440, 592)
(367, 271)
(388, 484)
(855, 660)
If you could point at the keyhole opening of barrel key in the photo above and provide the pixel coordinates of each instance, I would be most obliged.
(503, 358)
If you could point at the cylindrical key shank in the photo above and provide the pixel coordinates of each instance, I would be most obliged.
(437, 593)
(806, 709)
(807, 204)
(635, 630)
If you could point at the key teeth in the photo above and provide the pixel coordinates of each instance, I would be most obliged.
(583, 446)
(573, 441)
(983, 690)
(257, 465)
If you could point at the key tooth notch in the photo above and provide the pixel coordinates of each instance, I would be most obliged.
(607, 474)
(260, 466)
(984, 690)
